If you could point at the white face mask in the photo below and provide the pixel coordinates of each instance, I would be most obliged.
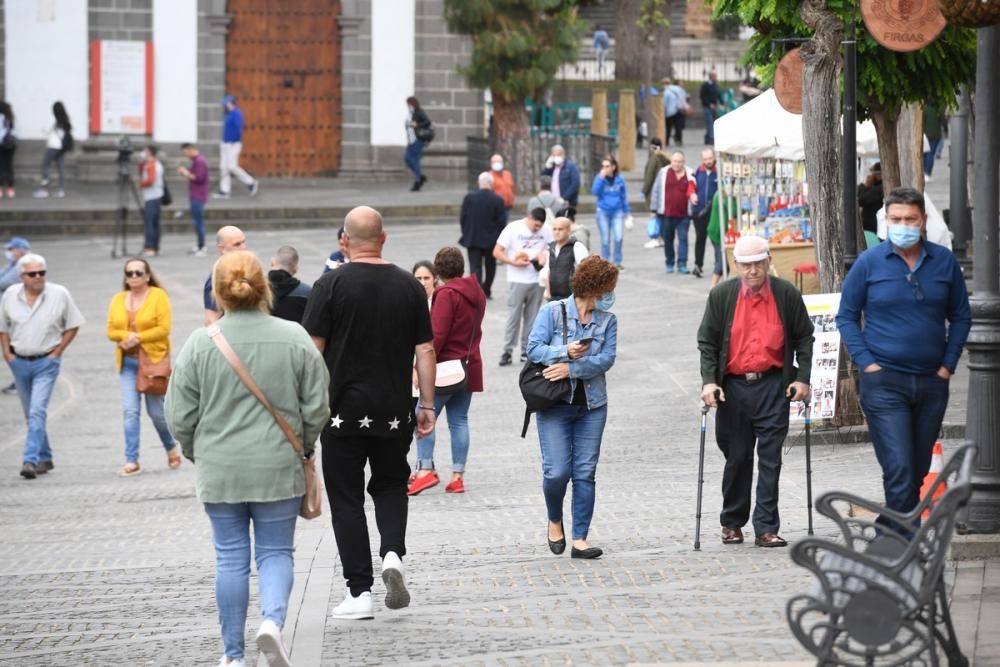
(8, 255)
(497, 166)
(558, 160)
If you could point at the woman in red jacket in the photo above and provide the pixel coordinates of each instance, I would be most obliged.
(457, 318)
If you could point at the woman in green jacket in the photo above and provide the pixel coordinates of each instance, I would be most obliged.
(247, 470)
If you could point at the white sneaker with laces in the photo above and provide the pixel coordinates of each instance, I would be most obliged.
(232, 663)
(396, 595)
(41, 193)
(653, 243)
(269, 643)
(355, 608)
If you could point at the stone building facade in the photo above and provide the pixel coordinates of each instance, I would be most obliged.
(362, 103)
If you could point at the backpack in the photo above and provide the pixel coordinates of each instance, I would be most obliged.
(167, 199)
(425, 134)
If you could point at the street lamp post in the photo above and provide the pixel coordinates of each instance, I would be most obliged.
(850, 151)
(958, 206)
(983, 417)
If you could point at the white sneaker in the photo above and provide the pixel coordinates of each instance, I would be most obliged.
(396, 595)
(653, 243)
(60, 193)
(41, 193)
(355, 608)
(269, 643)
(232, 663)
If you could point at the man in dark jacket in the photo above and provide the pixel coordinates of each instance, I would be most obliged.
(711, 104)
(565, 175)
(290, 293)
(870, 196)
(482, 219)
(706, 179)
(754, 331)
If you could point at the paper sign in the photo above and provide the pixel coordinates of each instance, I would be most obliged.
(822, 309)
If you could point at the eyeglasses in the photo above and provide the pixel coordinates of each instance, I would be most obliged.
(34, 274)
(135, 274)
(911, 279)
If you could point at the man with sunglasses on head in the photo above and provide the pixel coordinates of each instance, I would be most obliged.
(756, 344)
(38, 321)
(893, 308)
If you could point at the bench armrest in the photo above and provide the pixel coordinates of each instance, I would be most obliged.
(853, 528)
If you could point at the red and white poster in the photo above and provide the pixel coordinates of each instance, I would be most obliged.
(121, 87)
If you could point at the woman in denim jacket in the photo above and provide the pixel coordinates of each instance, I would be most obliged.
(570, 432)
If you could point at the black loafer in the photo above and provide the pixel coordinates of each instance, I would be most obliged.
(588, 553)
(557, 546)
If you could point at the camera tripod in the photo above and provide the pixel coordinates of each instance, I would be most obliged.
(126, 186)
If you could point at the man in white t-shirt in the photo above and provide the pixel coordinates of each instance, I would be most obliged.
(523, 246)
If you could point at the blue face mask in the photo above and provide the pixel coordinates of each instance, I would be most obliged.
(904, 236)
(605, 302)
(8, 255)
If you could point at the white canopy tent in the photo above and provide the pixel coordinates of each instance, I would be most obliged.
(762, 128)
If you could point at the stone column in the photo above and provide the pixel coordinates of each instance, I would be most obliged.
(983, 418)
(626, 129)
(599, 113)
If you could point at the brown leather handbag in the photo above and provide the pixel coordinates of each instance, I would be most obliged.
(152, 377)
(312, 501)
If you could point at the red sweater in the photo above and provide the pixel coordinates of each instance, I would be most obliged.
(457, 310)
(677, 192)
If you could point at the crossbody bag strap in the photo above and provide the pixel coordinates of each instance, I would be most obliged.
(244, 375)
(565, 324)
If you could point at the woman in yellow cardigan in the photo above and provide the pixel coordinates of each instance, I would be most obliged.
(139, 316)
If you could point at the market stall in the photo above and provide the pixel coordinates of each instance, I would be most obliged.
(763, 184)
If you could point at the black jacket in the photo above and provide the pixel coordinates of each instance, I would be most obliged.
(290, 295)
(482, 219)
(717, 324)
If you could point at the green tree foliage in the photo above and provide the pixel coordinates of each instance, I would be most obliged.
(887, 80)
(517, 48)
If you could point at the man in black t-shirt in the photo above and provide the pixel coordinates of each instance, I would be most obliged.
(369, 318)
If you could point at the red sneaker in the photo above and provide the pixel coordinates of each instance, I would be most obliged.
(455, 486)
(423, 483)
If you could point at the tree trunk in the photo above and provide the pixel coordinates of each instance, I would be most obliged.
(628, 41)
(663, 61)
(910, 160)
(885, 121)
(513, 141)
(821, 136)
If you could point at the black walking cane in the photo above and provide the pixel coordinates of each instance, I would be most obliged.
(701, 472)
(809, 472)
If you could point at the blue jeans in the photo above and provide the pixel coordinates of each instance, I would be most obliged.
(709, 116)
(132, 406)
(904, 415)
(570, 438)
(611, 224)
(35, 381)
(458, 427)
(151, 219)
(412, 158)
(668, 227)
(274, 537)
(717, 270)
(198, 220)
(930, 155)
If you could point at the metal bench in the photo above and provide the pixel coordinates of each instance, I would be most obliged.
(880, 598)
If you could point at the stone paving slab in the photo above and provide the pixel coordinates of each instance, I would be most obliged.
(98, 570)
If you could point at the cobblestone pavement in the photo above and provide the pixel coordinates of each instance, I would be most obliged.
(97, 570)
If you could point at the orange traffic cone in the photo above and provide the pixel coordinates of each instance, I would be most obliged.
(937, 462)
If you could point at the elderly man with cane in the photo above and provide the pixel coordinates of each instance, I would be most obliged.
(754, 332)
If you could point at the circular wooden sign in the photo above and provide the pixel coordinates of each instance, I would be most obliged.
(903, 25)
(788, 82)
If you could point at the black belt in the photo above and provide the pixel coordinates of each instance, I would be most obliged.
(751, 378)
(32, 357)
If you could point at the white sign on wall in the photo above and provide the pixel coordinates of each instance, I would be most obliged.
(121, 87)
(822, 309)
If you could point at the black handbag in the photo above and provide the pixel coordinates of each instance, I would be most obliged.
(538, 391)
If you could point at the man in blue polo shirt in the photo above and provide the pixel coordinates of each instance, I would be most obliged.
(904, 290)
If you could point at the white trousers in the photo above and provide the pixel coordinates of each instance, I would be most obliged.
(229, 164)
